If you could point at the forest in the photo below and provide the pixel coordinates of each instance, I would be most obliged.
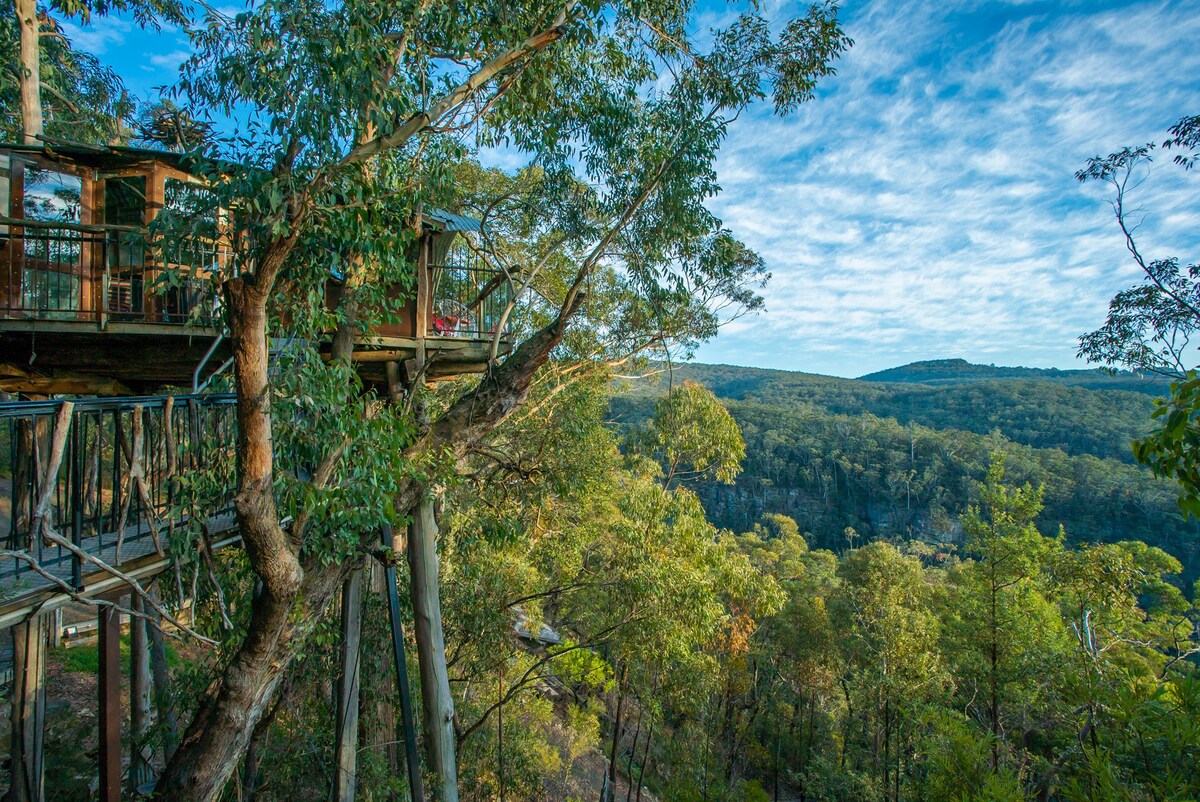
(514, 555)
(899, 460)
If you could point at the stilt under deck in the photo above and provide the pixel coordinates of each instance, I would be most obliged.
(88, 507)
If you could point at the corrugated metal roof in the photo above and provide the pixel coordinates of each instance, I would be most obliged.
(102, 155)
(449, 221)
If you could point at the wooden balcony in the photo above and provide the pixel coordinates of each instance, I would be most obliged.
(90, 305)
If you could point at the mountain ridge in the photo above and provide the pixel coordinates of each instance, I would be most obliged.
(960, 371)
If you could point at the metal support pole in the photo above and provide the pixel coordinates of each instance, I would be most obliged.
(416, 782)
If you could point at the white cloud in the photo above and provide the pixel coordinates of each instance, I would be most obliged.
(925, 204)
(170, 61)
(99, 35)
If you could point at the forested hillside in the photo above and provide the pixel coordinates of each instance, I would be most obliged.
(1043, 409)
(898, 461)
(960, 371)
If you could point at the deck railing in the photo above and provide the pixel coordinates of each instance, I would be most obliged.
(469, 299)
(115, 492)
(65, 271)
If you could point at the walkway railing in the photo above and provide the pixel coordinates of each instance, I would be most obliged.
(469, 298)
(106, 480)
(66, 271)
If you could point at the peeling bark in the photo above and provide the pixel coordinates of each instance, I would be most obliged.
(30, 79)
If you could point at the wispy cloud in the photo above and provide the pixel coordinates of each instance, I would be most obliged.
(169, 61)
(100, 36)
(925, 205)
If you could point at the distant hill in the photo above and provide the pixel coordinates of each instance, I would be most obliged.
(1078, 411)
(960, 371)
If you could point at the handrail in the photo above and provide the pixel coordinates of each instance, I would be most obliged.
(89, 228)
(23, 409)
(114, 493)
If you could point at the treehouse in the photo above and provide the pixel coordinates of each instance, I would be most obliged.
(93, 302)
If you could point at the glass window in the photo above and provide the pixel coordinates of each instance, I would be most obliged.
(188, 223)
(51, 197)
(125, 205)
(53, 255)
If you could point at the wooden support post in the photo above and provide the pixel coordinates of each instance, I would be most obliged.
(110, 704)
(140, 772)
(378, 708)
(26, 748)
(424, 294)
(345, 775)
(436, 700)
(416, 782)
(163, 702)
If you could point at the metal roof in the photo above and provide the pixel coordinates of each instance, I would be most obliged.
(104, 156)
(449, 221)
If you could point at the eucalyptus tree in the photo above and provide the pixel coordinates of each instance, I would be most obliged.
(48, 87)
(351, 116)
(1150, 327)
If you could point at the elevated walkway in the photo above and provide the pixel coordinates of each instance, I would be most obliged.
(93, 485)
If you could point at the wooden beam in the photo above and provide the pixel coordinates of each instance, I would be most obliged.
(14, 379)
(26, 747)
(110, 703)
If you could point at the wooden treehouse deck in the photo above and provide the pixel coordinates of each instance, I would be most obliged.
(94, 301)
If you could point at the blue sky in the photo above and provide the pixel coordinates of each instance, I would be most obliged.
(925, 206)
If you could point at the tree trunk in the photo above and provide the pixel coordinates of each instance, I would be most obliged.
(646, 758)
(378, 721)
(637, 734)
(616, 735)
(219, 732)
(27, 759)
(163, 697)
(221, 728)
(437, 705)
(30, 78)
(139, 699)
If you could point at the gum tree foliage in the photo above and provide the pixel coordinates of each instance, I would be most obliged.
(81, 99)
(350, 116)
(692, 436)
(1150, 327)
